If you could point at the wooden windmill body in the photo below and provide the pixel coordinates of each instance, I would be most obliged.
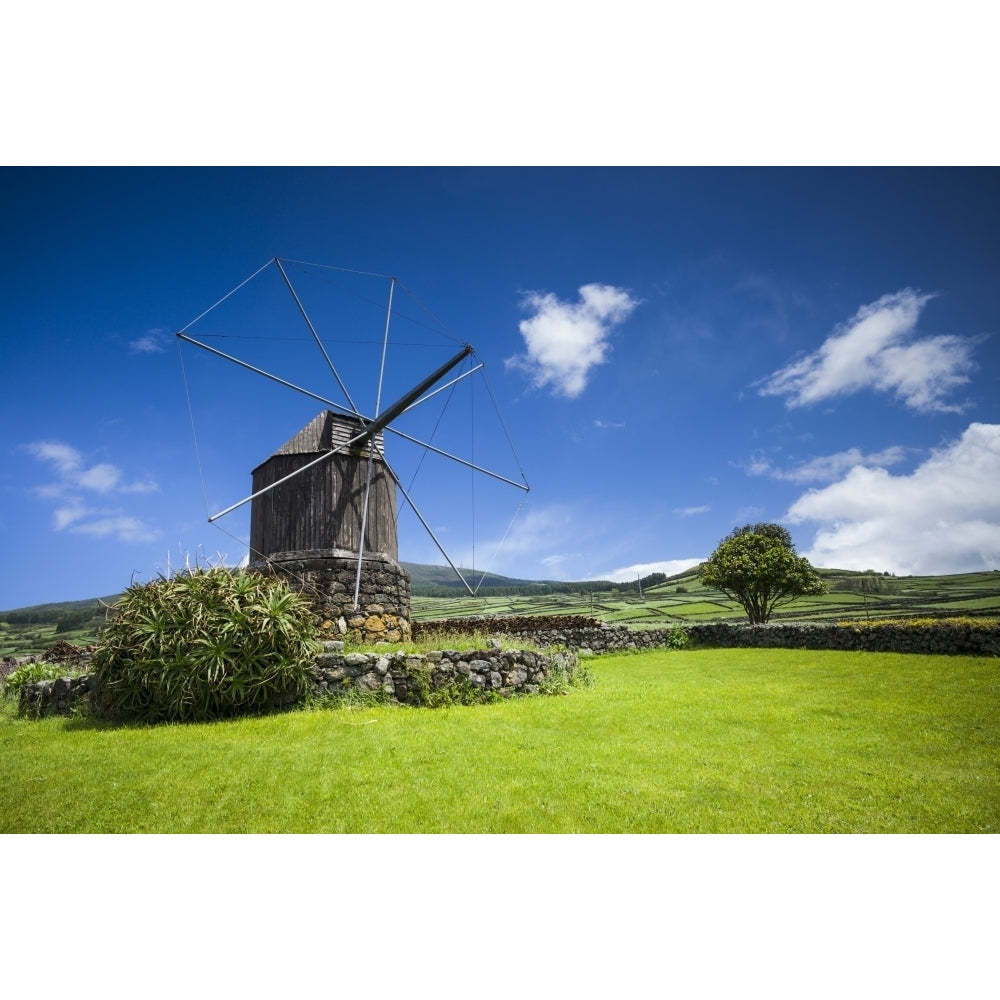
(321, 510)
(314, 523)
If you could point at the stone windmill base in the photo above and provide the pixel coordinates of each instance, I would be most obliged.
(383, 609)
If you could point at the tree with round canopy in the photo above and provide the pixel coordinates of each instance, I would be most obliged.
(757, 566)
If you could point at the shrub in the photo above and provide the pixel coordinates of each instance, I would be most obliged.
(973, 624)
(677, 638)
(32, 673)
(203, 645)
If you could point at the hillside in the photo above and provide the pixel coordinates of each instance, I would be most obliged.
(441, 581)
(438, 594)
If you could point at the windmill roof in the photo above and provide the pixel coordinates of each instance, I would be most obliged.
(325, 431)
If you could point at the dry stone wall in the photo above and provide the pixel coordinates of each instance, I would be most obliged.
(450, 675)
(444, 675)
(955, 638)
(56, 697)
(410, 679)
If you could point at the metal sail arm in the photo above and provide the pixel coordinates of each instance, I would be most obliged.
(291, 475)
(427, 527)
(448, 385)
(319, 343)
(371, 451)
(405, 402)
(461, 461)
(284, 479)
(260, 371)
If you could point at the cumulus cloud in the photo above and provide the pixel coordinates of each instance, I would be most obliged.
(75, 478)
(825, 468)
(152, 342)
(123, 527)
(564, 341)
(876, 349)
(554, 563)
(668, 566)
(75, 473)
(67, 460)
(944, 517)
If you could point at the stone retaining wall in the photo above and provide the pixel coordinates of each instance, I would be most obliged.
(406, 678)
(446, 675)
(940, 637)
(56, 697)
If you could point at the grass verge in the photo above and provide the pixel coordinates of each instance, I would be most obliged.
(698, 741)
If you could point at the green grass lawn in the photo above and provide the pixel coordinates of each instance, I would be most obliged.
(702, 741)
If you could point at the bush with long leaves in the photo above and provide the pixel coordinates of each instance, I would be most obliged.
(205, 644)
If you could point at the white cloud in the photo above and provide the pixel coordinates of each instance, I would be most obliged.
(66, 459)
(566, 340)
(825, 468)
(609, 425)
(79, 519)
(140, 486)
(536, 532)
(152, 342)
(691, 511)
(554, 563)
(124, 528)
(101, 478)
(668, 566)
(74, 473)
(875, 350)
(944, 517)
(76, 477)
(63, 517)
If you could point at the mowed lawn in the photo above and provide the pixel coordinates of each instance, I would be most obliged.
(697, 741)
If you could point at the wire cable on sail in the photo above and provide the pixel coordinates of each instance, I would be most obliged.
(228, 294)
(461, 461)
(194, 433)
(496, 551)
(260, 371)
(371, 449)
(503, 424)
(319, 343)
(423, 521)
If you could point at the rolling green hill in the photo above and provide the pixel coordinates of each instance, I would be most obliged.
(438, 594)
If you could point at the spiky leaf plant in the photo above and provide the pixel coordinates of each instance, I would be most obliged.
(205, 644)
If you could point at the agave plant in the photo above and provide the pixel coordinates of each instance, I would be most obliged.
(205, 644)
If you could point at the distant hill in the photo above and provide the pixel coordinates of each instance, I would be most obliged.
(655, 600)
(441, 581)
(54, 612)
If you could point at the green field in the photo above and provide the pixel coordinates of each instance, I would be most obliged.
(681, 598)
(696, 741)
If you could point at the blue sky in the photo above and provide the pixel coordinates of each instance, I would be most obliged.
(672, 351)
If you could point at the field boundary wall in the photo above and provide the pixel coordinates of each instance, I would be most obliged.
(414, 679)
(406, 678)
(939, 637)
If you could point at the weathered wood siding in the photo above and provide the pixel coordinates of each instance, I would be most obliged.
(321, 509)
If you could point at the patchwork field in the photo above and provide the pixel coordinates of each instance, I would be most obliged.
(680, 598)
(683, 598)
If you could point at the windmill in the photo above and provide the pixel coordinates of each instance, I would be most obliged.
(324, 505)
